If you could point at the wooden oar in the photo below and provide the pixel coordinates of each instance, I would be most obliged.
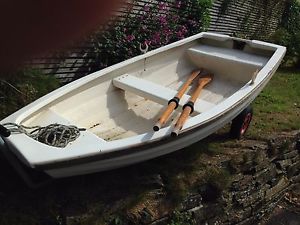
(188, 108)
(174, 102)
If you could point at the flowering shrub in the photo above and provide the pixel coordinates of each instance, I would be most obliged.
(155, 25)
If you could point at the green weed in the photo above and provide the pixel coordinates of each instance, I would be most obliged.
(181, 218)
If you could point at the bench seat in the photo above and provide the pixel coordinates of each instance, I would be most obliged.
(230, 55)
(156, 92)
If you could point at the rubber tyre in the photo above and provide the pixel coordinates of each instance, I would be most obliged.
(241, 123)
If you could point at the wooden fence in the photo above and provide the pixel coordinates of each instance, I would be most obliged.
(254, 19)
(248, 19)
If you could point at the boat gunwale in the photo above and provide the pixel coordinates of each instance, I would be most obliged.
(118, 145)
(42, 102)
(147, 145)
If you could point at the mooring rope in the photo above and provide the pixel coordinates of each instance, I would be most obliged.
(57, 135)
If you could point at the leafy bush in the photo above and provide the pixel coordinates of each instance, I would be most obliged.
(288, 33)
(154, 25)
(23, 87)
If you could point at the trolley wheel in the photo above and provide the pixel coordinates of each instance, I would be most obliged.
(241, 123)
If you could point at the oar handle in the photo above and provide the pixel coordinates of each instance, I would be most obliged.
(162, 120)
(188, 108)
(181, 120)
(174, 102)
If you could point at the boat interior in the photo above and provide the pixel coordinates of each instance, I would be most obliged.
(130, 99)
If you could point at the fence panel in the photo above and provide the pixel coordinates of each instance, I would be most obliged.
(249, 19)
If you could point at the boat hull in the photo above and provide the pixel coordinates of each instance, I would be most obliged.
(119, 105)
(126, 157)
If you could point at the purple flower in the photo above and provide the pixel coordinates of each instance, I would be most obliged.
(130, 37)
(147, 42)
(130, 53)
(146, 8)
(178, 4)
(167, 31)
(179, 35)
(183, 29)
(193, 23)
(144, 28)
(175, 18)
(162, 20)
(156, 38)
(162, 6)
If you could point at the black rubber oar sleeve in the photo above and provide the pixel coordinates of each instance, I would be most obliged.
(189, 104)
(176, 100)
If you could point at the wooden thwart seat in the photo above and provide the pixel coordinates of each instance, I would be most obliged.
(155, 92)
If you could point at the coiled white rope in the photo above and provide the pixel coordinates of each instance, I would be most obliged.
(57, 135)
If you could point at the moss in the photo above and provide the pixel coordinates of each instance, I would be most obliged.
(176, 189)
(284, 146)
(259, 157)
(13, 217)
(219, 178)
(181, 218)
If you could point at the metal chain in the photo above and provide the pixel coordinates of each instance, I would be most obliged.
(57, 135)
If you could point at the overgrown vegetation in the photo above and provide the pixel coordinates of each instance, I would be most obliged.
(181, 218)
(154, 25)
(288, 33)
(22, 87)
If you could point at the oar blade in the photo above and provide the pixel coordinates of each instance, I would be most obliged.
(205, 79)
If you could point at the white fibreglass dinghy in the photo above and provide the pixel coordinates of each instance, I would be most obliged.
(118, 106)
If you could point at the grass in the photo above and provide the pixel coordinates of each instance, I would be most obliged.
(277, 108)
(23, 87)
